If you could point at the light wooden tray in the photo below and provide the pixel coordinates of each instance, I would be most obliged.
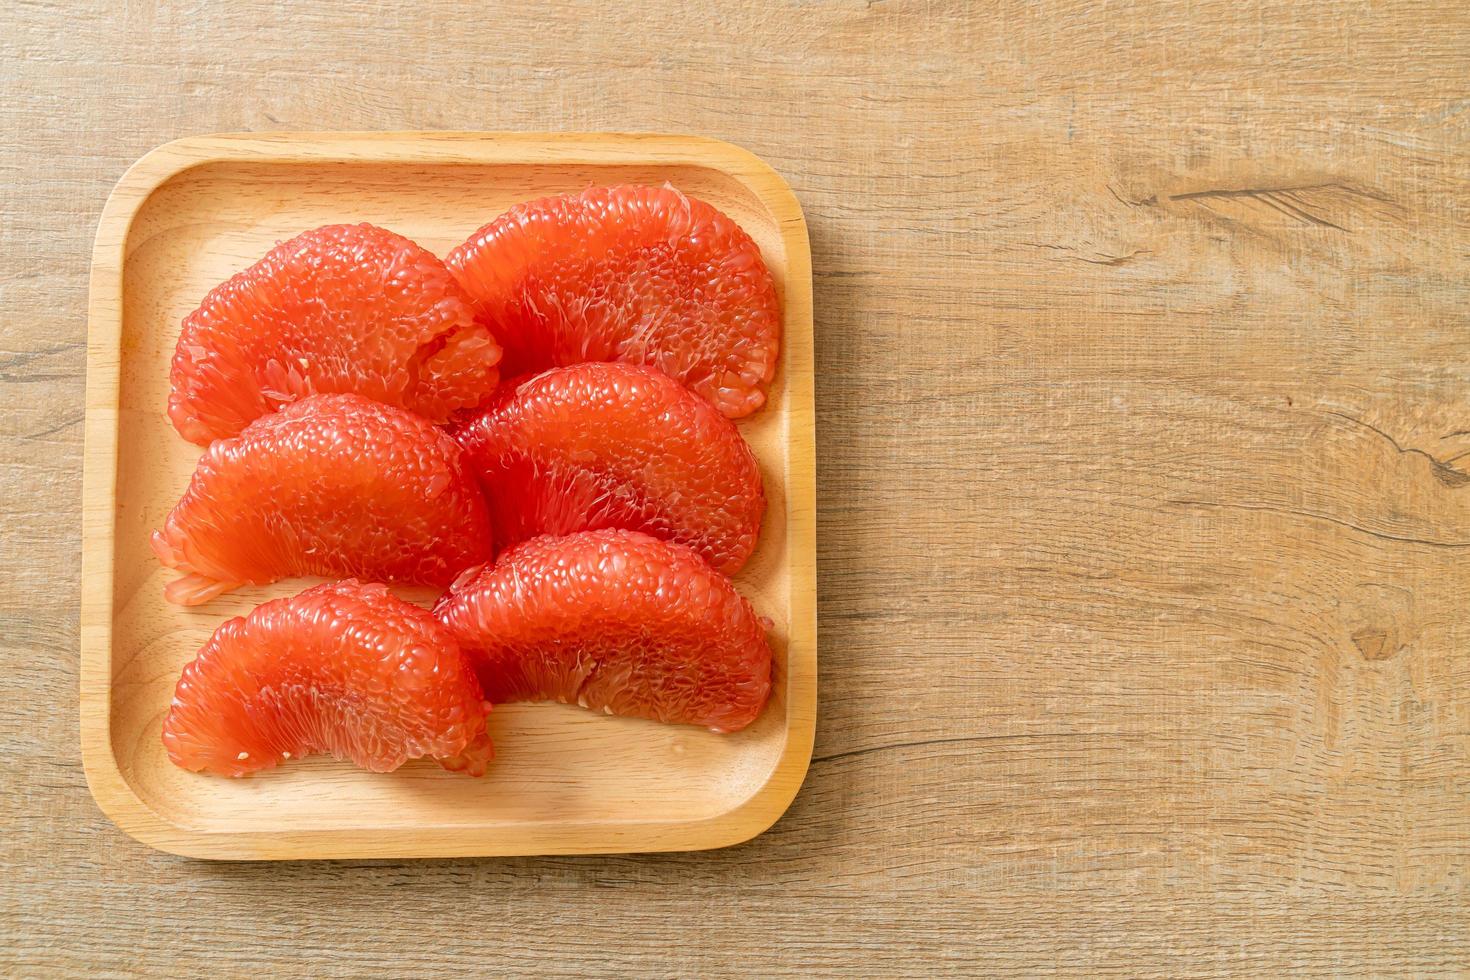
(193, 212)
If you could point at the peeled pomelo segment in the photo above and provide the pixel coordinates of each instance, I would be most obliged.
(345, 669)
(604, 445)
(615, 621)
(332, 485)
(342, 308)
(644, 275)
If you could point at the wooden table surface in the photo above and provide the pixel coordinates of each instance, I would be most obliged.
(1144, 404)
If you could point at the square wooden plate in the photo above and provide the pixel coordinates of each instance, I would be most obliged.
(192, 213)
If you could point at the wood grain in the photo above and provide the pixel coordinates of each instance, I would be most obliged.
(1142, 397)
(194, 212)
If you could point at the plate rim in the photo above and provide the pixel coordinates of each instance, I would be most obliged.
(110, 788)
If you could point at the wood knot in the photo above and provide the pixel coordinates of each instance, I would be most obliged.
(1379, 619)
(1374, 644)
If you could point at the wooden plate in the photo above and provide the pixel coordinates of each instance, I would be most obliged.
(193, 212)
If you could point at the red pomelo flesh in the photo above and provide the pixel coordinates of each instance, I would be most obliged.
(607, 445)
(644, 275)
(343, 308)
(332, 485)
(345, 669)
(615, 621)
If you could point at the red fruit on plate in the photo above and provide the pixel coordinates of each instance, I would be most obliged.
(638, 274)
(615, 621)
(615, 445)
(344, 308)
(343, 668)
(332, 485)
